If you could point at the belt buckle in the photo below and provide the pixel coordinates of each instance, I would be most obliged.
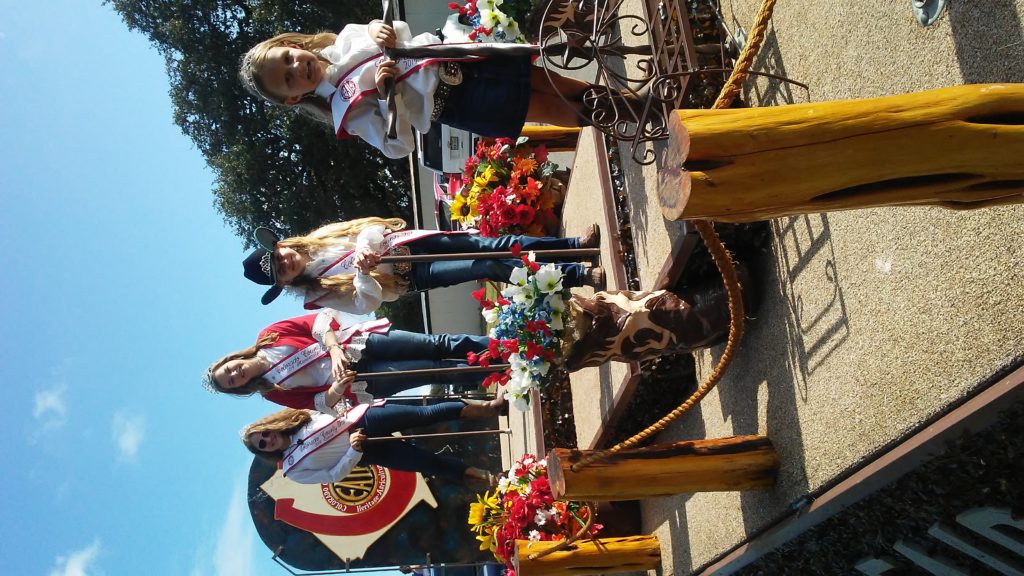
(450, 73)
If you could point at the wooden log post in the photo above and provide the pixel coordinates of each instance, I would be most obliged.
(598, 556)
(715, 465)
(958, 147)
(557, 138)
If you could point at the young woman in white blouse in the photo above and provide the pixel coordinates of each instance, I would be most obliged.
(316, 448)
(299, 362)
(338, 265)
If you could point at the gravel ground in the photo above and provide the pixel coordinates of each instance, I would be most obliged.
(874, 320)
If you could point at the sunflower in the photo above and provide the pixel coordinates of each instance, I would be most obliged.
(465, 208)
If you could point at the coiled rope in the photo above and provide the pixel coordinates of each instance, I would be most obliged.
(722, 258)
(724, 263)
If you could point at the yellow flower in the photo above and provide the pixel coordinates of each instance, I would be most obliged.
(465, 208)
(476, 513)
(481, 509)
(485, 178)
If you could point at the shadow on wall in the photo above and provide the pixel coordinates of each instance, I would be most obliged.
(989, 40)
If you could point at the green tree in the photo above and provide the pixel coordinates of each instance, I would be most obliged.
(272, 165)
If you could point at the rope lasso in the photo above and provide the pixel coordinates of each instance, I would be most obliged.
(723, 261)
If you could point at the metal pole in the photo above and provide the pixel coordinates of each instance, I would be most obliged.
(389, 84)
(432, 371)
(567, 253)
(439, 435)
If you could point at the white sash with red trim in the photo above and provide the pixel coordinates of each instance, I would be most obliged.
(301, 358)
(346, 264)
(302, 449)
(296, 361)
(359, 82)
(379, 326)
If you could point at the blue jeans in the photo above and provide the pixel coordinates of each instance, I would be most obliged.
(427, 275)
(400, 455)
(401, 350)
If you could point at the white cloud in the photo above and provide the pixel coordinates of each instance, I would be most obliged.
(78, 562)
(50, 408)
(128, 431)
(233, 556)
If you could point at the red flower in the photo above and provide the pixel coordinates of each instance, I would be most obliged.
(511, 345)
(472, 357)
(495, 379)
(525, 214)
(533, 266)
(541, 153)
(516, 249)
(494, 347)
(534, 326)
(533, 350)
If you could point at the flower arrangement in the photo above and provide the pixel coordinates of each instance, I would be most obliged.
(523, 508)
(504, 190)
(494, 20)
(527, 320)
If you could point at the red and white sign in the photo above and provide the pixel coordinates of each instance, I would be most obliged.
(348, 516)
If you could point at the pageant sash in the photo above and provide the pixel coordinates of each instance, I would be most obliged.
(298, 360)
(360, 82)
(321, 437)
(346, 264)
(315, 441)
(379, 326)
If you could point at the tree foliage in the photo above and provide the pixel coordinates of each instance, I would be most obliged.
(273, 166)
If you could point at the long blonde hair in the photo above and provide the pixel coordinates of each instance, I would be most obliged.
(251, 67)
(254, 385)
(287, 422)
(343, 233)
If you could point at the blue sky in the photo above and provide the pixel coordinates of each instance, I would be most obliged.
(122, 284)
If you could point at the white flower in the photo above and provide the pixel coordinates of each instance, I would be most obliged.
(519, 276)
(556, 301)
(490, 315)
(521, 403)
(534, 536)
(556, 321)
(541, 368)
(512, 30)
(503, 484)
(549, 279)
(488, 19)
(525, 298)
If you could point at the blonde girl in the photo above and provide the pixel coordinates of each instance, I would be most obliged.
(317, 448)
(339, 79)
(338, 265)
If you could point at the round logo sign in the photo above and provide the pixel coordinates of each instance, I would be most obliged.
(360, 491)
(348, 89)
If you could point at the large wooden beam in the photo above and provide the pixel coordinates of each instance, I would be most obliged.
(719, 464)
(958, 147)
(556, 138)
(599, 556)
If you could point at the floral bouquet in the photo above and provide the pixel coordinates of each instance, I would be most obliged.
(523, 508)
(527, 319)
(507, 189)
(493, 20)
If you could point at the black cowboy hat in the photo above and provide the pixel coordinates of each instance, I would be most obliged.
(258, 266)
